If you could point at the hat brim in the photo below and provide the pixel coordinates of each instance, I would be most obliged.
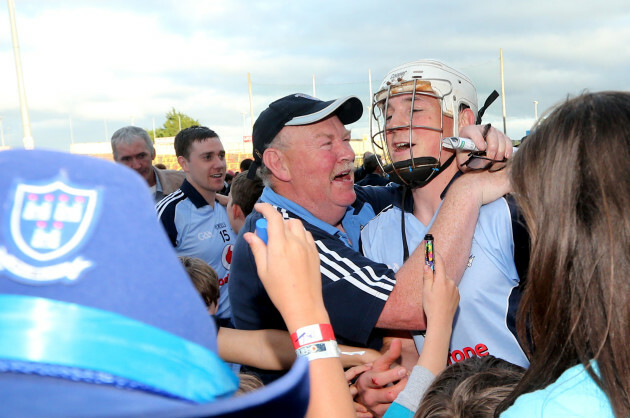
(349, 110)
(30, 395)
(124, 279)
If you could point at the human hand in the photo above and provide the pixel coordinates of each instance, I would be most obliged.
(440, 296)
(378, 388)
(495, 143)
(351, 374)
(288, 267)
(485, 186)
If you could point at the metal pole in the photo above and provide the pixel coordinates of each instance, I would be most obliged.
(314, 94)
(535, 110)
(251, 108)
(503, 92)
(371, 93)
(179, 118)
(26, 123)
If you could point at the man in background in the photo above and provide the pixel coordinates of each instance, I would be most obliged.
(133, 147)
(373, 172)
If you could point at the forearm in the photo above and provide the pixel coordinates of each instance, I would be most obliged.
(330, 396)
(403, 309)
(357, 356)
(435, 348)
(268, 349)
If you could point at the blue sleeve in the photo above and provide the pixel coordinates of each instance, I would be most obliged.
(355, 291)
(493, 233)
(251, 307)
(167, 218)
(396, 410)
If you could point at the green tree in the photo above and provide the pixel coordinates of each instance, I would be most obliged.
(175, 121)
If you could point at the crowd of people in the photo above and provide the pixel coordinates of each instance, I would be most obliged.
(431, 281)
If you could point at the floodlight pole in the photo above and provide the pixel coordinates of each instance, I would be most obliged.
(251, 106)
(26, 123)
(503, 92)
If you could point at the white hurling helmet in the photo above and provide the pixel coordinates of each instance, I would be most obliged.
(432, 78)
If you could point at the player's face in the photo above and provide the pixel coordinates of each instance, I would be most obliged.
(320, 161)
(137, 157)
(205, 167)
(424, 142)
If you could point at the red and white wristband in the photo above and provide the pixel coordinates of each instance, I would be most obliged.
(315, 342)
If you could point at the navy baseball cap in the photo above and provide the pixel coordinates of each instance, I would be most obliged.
(296, 110)
(97, 314)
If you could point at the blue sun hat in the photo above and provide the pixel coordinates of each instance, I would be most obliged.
(97, 315)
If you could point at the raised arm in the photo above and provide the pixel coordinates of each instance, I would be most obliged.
(378, 387)
(272, 349)
(453, 230)
(455, 224)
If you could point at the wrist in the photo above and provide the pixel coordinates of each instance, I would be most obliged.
(303, 317)
(311, 334)
(319, 350)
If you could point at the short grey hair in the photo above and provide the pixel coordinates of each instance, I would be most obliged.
(128, 135)
(278, 142)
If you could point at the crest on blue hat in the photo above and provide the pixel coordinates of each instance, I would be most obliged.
(47, 224)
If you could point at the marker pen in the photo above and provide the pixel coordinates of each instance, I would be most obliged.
(428, 251)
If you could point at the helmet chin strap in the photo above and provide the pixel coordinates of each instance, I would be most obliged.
(402, 172)
(417, 172)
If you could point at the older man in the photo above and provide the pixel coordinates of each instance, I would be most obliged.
(133, 147)
(305, 159)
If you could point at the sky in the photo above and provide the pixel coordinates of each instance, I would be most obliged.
(91, 67)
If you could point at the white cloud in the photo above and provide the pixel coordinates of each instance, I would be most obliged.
(106, 63)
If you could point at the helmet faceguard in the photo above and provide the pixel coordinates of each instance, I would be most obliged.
(453, 90)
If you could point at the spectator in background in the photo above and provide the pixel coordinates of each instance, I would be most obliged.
(244, 166)
(244, 193)
(133, 147)
(359, 173)
(205, 279)
(373, 172)
(227, 183)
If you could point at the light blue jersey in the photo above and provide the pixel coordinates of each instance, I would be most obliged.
(573, 394)
(487, 302)
(199, 230)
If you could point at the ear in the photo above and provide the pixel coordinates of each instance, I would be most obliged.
(466, 117)
(275, 161)
(183, 163)
(237, 212)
